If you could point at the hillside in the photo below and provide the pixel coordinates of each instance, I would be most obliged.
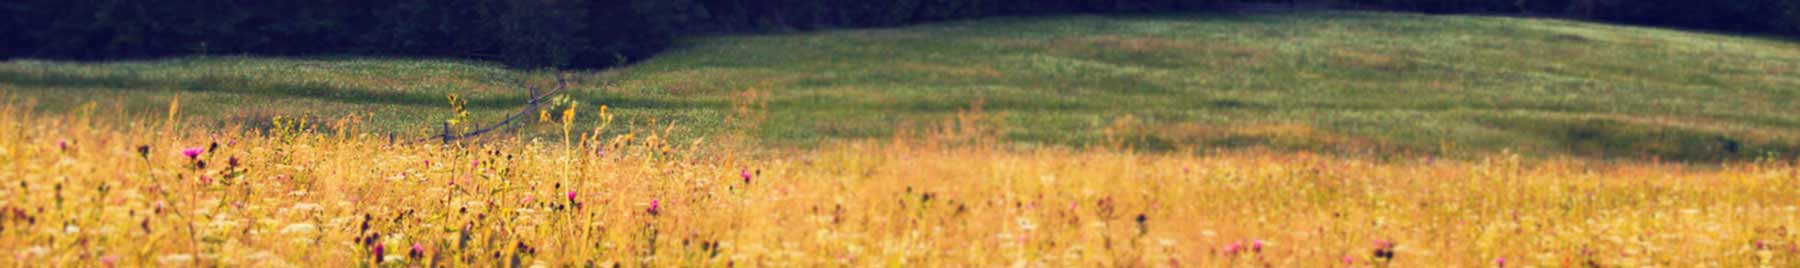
(1310, 81)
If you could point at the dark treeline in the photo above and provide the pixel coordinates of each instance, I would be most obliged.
(599, 33)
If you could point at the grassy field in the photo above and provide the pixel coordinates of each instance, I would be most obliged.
(82, 192)
(1304, 81)
(1306, 139)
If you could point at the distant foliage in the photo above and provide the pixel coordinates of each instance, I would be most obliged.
(1768, 16)
(599, 33)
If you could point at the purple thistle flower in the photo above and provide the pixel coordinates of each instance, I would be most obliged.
(193, 153)
(418, 250)
(64, 145)
(571, 196)
(1234, 248)
(379, 248)
(745, 173)
(1384, 250)
(1256, 246)
(655, 207)
(1500, 262)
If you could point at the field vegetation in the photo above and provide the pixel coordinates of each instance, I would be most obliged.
(1195, 140)
(1321, 81)
(85, 193)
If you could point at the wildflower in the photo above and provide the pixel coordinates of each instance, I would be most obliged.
(231, 162)
(745, 173)
(1349, 260)
(1256, 246)
(418, 251)
(206, 179)
(64, 145)
(526, 200)
(655, 207)
(143, 151)
(109, 261)
(192, 153)
(1143, 224)
(571, 196)
(1500, 262)
(379, 248)
(1234, 248)
(1384, 250)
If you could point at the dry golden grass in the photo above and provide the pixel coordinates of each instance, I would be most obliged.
(78, 192)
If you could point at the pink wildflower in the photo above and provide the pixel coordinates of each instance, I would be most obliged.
(193, 152)
(109, 261)
(1234, 248)
(379, 248)
(744, 173)
(655, 207)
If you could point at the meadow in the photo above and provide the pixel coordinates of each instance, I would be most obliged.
(1302, 139)
(82, 192)
(1363, 83)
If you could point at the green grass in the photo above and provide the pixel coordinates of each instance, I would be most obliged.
(1320, 81)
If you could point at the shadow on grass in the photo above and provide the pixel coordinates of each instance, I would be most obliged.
(240, 85)
(1620, 139)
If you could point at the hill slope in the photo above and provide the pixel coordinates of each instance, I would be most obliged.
(1326, 80)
